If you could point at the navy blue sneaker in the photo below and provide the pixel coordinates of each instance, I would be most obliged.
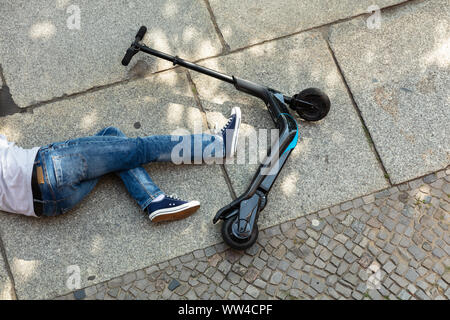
(230, 132)
(171, 208)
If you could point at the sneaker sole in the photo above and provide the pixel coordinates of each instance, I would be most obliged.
(169, 215)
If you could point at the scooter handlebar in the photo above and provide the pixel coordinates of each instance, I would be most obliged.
(134, 48)
(128, 55)
(141, 33)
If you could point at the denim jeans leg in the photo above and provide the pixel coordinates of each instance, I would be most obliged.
(137, 181)
(59, 200)
(77, 160)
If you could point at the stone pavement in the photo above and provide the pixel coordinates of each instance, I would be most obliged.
(38, 44)
(388, 126)
(400, 83)
(393, 244)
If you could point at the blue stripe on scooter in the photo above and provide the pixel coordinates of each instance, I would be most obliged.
(294, 141)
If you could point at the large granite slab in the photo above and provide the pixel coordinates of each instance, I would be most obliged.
(6, 284)
(44, 54)
(243, 23)
(400, 78)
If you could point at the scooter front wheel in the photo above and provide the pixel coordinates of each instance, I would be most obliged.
(314, 96)
(232, 240)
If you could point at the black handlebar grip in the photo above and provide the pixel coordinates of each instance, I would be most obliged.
(128, 55)
(141, 33)
(132, 51)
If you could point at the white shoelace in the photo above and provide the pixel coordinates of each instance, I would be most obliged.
(174, 197)
(162, 196)
(217, 131)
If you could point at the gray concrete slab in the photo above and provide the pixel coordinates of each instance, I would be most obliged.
(333, 161)
(400, 78)
(248, 22)
(43, 58)
(108, 235)
(6, 285)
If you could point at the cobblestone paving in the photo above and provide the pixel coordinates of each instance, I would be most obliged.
(393, 244)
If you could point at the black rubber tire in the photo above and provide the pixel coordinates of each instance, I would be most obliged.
(320, 101)
(236, 243)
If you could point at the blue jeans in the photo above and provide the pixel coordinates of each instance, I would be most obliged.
(72, 168)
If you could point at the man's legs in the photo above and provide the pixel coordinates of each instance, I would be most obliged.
(72, 168)
(137, 181)
(91, 157)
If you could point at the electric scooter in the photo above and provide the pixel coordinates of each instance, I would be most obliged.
(240, 229)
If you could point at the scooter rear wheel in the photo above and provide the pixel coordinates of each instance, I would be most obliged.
(316, 97)
(235, 242)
